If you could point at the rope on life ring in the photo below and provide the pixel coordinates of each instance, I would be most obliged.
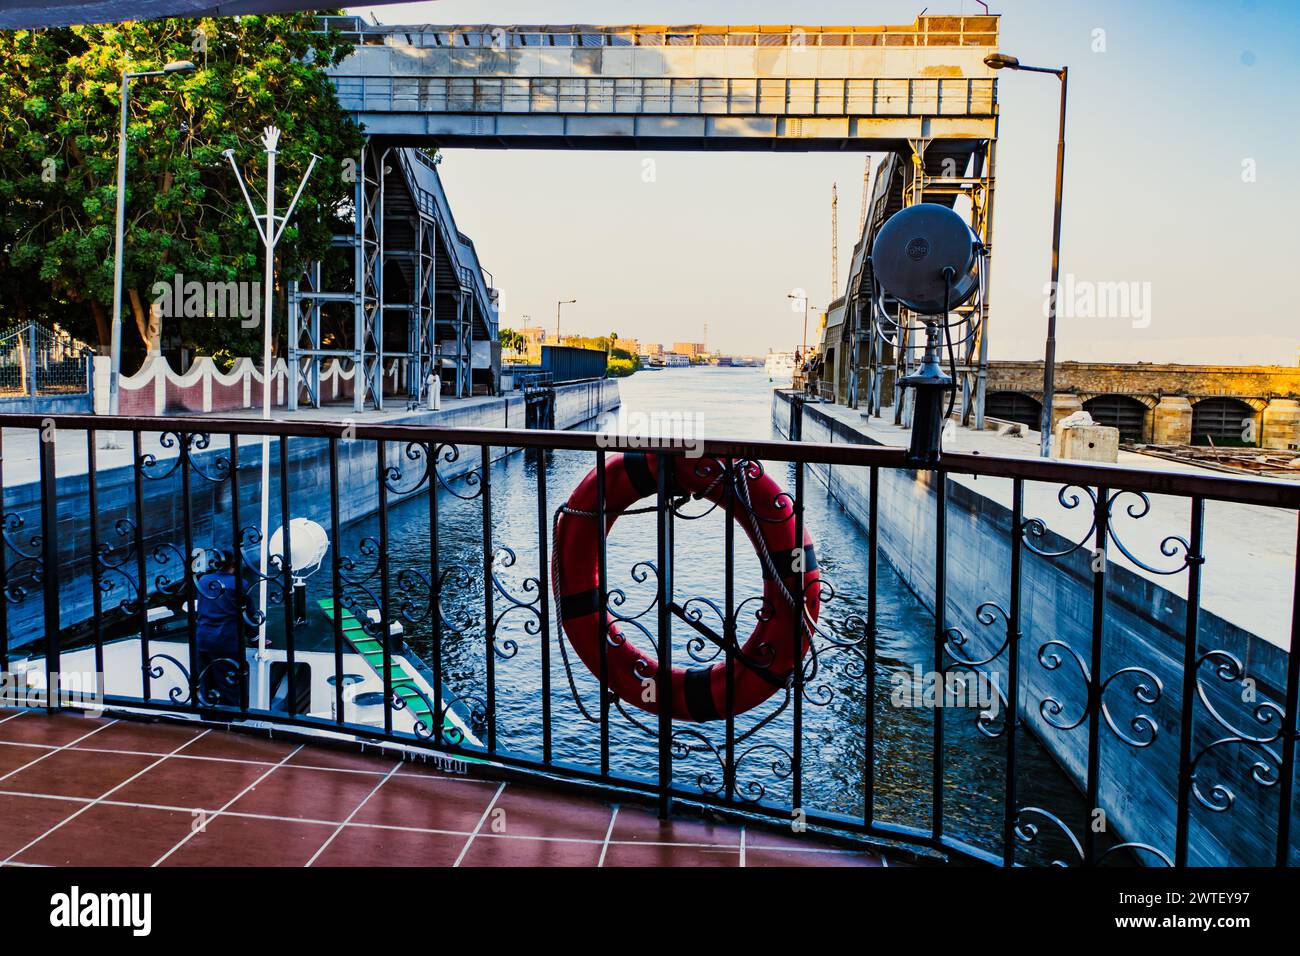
(765, 663)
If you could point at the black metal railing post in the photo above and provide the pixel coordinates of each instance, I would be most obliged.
(191, 590)
(1011, 797)
(1290, 726)
(336, 583)
(435, 592)
(729, 620)
(1099, 558)
(237, 569)
(97, 597)
(664, 667)
(385, 622)
(490, 630)
(142, 596)
(869, 691)
(544, 601)
(50, 570)
(940, 639)
(602, 610)
(1187, 723)
(286, 568)
(800, 629)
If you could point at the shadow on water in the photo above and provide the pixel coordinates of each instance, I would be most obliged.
(734, 403)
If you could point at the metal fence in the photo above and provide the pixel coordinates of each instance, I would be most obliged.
(741, 728)
(35, 360)
(565, 363)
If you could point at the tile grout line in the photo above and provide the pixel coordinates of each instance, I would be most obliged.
(604, 847)
(56, 750)
(71, 817)
(479, 825)
(355, 811)
(228, 804)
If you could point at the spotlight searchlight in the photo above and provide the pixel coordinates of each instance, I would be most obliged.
(931, 264)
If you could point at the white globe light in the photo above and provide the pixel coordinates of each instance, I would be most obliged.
(309, 542)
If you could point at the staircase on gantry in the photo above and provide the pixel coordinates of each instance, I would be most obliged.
(416, 299)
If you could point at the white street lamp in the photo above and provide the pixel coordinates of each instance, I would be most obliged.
(270, 232)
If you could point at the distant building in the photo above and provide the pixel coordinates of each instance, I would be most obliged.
(630, 346)
(534, 335)
(690, 349)
(651, 350)
(534, 338)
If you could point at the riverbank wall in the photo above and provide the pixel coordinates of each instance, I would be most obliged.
(1234, 805)
(214, 490)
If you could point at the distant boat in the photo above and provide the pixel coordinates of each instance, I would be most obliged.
(779, 366)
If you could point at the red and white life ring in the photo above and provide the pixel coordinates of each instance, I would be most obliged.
(767, 517)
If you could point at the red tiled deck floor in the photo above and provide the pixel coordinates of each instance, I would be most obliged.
(82, 791)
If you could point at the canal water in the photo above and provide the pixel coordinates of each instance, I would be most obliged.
(732, 403)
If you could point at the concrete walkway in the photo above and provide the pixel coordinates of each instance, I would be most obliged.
(1249, 574)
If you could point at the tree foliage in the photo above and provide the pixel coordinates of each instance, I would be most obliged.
(512, 340)
(59, 111)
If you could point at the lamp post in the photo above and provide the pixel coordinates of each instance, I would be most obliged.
(557, 317)
(1001, 61)
(119, 235)
(804, 299)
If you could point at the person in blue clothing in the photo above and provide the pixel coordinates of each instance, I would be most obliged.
(221, 623)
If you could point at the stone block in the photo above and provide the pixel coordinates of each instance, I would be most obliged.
(1088, 443)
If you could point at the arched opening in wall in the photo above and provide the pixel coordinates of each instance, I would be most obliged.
(1223, 421)
(1119, 411)
(1014, 407)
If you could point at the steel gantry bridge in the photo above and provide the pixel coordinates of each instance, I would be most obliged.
(918, 92)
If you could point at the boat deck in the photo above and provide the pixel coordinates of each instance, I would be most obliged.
(98, 791)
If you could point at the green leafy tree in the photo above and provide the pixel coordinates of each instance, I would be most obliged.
(513, 341)
(59, 107)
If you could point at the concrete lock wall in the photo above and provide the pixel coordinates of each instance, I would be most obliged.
(210, 502)
(1143, 628)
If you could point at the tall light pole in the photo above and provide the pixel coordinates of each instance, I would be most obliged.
(119, 235)
(1000, 61)
(804, 299)
(557, 317)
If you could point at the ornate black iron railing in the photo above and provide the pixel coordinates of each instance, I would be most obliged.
(124, 548)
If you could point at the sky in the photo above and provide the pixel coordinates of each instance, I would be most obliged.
(1180, 184)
